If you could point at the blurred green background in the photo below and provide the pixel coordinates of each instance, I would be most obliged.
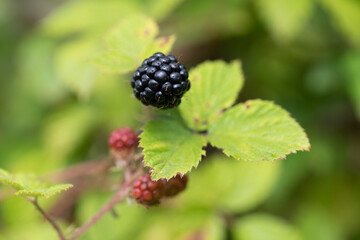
(57, 109)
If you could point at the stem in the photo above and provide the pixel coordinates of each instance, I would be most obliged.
(119, 195)
(48, 218)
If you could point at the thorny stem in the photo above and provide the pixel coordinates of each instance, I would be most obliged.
(119, 195)
(48, 218)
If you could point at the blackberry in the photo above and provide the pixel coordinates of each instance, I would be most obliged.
(160, 81)
(174, 185)
(146, 191)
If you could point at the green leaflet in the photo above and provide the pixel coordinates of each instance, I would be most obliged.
(264, 227)
(129, 42)
(88, 17)
(254, 131)
(28, 186)
(257, 130)
(214, 87)
(73, 65)
(169, 148)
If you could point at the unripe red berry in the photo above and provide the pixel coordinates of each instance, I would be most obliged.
(123, 138)
(175, 185)
(147, 192)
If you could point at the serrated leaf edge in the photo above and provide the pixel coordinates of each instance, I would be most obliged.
(152, 170)
(303, 149)
(42, 192)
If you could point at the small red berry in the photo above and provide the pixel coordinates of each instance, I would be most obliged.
(175, 185)
(146, 191)
(123, 138)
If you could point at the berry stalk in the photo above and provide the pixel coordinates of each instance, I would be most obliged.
(48, 218)
(119, 196)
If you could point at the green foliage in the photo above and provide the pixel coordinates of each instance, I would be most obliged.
(86, 17)
(92, 17)
(163, 222)
(234, 186)
(207, 99)
(254, 131)
(351, 69)
(315, 223)
(257, 130)
(346, 16)
(26, 185)
(73, 65)
(67, 129)
(285, 19)
(42, 66)
(264, 227)
(169, 148)
(128, 43)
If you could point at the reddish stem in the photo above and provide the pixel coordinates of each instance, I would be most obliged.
(48, 218)
(119, 196)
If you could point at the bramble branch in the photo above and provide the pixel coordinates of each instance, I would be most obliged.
(119, 196)
(48, 218)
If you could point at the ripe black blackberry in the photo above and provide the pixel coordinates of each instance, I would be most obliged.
(160, 81)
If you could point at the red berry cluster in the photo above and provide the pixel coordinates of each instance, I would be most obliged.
(123, 138)
(149, 192)
(175, 185)
(146, 191)
(123, 143)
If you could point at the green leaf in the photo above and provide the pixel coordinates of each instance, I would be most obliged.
(44, 192)
(129, 42)
(10, 180)
(284, 18)
(160, 8)
(163, 44)
(346, 14)
(214, 87)
(264, 227)
(233, 186)
(169, 148)
(73, 65)
(27, 185)
(257, 130)
(84, 16)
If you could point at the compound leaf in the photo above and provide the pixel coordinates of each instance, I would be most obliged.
(169, 148)
(27, 185)
(257, 130)
(214, 87)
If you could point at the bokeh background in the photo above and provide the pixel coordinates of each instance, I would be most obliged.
(57, 109)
